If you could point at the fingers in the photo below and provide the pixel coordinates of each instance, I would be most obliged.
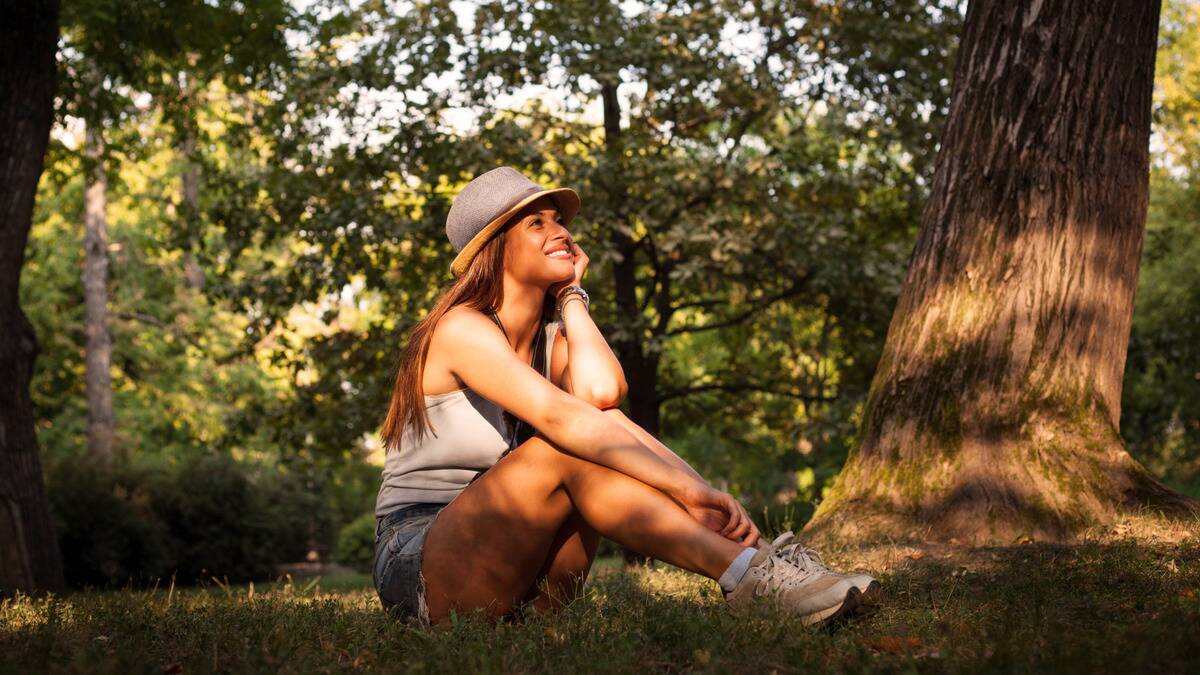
(746, 533)
(755, 535)
(739, 534)
(729, 507)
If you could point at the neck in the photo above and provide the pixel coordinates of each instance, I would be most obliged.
(521, 311)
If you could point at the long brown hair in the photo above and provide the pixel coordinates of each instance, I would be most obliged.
(481, 288)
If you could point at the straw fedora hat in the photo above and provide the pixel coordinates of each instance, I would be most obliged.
(485, 204)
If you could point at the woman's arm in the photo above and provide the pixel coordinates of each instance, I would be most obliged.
(593, 371)
(653, 443)
(480, 356)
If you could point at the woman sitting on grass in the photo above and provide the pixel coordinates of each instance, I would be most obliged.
(501, 477)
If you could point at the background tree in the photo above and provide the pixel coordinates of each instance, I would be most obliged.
(994, 411)
(114, 52)
(750, 167)
(29, 558)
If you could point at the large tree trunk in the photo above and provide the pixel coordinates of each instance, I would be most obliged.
(641, 367)
(995, 407)
(641, 372)
(98, 378)
(29, 558)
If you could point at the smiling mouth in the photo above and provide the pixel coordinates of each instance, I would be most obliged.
(560, 253)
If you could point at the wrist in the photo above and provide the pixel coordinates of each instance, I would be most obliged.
(571, 292)
(688, 488)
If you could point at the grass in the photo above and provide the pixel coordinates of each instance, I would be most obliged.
(1119, 606)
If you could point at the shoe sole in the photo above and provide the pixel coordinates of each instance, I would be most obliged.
(835, 612)
(871, 593)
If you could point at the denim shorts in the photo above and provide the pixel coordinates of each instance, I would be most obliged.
(399, 541)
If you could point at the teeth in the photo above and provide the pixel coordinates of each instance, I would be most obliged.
(559, 254)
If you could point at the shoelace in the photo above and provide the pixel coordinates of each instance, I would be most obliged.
(779, 570)
(798, 554)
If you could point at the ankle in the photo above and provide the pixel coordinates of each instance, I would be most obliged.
(737, 569)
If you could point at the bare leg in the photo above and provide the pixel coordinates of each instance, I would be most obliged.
(566, 568)
(486, 549)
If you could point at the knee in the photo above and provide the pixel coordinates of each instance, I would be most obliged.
(540, 454)
(544, 454)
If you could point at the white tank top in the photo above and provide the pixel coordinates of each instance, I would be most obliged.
(471, 436)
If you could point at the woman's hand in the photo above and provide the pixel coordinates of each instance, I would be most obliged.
(719, 512)
(581, 263)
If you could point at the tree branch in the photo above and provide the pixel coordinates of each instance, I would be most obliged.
(795, 288)
(775, 388)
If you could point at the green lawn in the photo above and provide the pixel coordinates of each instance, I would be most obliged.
(1117, 607)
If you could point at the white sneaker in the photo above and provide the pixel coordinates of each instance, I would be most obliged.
(790, 548)
(815, 595)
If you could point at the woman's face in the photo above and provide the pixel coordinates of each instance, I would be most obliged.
(537, 247)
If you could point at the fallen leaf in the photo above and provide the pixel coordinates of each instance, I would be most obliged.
(916, 556)
(893, 644)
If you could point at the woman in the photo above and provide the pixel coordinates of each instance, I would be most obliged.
(501, 476)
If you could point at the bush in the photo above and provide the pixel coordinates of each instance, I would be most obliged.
(219, 523)
(208, 516)
(108, 529)
(356, 543)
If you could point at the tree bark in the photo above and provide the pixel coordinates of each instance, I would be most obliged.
(641, 372)
(98, 378)
(29, 557)
(193, 274)
(994, 410)
(641, 368)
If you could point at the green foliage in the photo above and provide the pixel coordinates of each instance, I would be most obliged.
(202, 517)
(1160, 417)
(749, 204)
(759, 173)
(109, 531)
(356, 543)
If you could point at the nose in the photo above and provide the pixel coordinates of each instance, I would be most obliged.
(564, 235)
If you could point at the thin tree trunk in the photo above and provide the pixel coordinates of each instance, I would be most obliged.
(29, 557)
(994, 410)
(193, 274)
(98, 378)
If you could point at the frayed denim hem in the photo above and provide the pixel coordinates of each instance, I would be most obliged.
(398, 578)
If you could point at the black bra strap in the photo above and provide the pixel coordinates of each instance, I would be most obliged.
(524, 431)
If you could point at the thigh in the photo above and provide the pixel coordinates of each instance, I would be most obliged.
(486, 548)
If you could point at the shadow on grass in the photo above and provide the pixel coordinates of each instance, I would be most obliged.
(1088, 608)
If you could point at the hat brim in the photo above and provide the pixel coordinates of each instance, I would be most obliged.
(566, 199)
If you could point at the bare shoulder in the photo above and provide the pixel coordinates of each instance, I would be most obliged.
(461, 322)
(460, 328)
(467, 346)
